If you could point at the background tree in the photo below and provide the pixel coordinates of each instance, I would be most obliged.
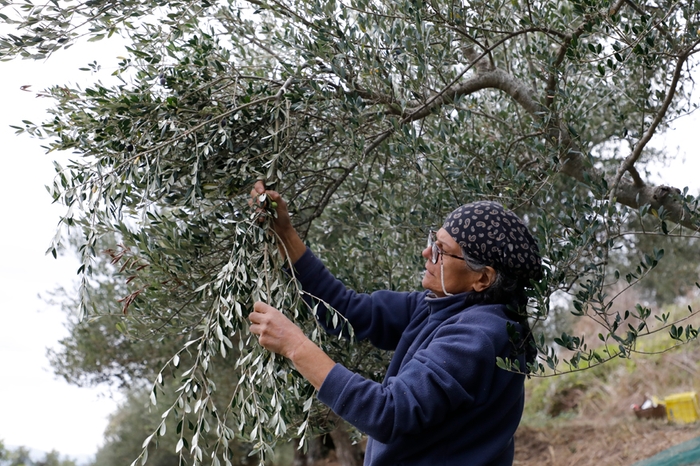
(135, 420)
(21, 456)
(374, 120)
(676, 276)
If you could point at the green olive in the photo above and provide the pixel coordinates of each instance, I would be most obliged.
(273, 204)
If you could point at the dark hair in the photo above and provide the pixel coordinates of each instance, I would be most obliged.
(510, 291)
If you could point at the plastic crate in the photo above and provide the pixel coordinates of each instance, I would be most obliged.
(682, 407)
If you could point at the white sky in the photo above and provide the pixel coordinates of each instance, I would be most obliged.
(38, 410)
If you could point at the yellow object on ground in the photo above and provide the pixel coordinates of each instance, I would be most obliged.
(682, 407)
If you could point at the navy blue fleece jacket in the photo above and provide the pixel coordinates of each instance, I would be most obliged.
(443, 400)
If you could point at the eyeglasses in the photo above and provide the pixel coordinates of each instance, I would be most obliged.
(435, 249)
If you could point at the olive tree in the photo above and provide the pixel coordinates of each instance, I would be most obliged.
(373, 119)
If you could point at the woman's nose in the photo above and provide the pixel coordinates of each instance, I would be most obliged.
(426, 252)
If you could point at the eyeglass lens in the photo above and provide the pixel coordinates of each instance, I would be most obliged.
(433, 247)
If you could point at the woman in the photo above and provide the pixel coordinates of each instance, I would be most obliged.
(443, 400)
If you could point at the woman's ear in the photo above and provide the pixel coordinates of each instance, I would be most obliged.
(485, 280)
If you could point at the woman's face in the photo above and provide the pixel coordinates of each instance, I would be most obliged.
(458, 278)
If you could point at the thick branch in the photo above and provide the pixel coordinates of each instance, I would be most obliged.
(629, 162)
(494, 79)
(658, 196)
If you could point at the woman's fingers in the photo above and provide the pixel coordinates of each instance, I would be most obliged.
(259, 187)
(276, 332)
(264, 197)
(260, 309)
(261, 319)
(281, 223)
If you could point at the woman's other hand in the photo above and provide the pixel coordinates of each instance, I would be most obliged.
(280, 335)
(275, 331)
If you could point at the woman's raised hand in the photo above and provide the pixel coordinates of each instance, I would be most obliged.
(272, 199)
(292, 245)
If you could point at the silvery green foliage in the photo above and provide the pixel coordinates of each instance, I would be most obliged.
(374, 119)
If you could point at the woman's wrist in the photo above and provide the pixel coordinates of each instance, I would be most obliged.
(311, 362)
(291, 245)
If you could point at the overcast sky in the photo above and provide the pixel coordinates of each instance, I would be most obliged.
(36, 409)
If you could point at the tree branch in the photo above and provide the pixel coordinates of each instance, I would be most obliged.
(561, 54)
(574, 164)
(478, 60)
(330, 190)
(670, 94)
(658, 25)
(494, 79)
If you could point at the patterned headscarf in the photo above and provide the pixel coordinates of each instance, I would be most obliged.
(495, 236)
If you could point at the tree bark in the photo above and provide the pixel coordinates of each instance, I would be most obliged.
(312, 454)
(346, 453)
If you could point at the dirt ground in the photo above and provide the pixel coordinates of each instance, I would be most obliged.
(586, 434)
(598, 443)
(592, 442)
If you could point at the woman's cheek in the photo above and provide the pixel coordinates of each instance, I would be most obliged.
(428, 281)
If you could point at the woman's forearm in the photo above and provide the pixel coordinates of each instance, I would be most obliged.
(312, 363)
(290, 245)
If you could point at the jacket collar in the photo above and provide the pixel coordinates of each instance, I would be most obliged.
(447, 306)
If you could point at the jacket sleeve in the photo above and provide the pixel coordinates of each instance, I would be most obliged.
(380, 317)
(457, 367)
